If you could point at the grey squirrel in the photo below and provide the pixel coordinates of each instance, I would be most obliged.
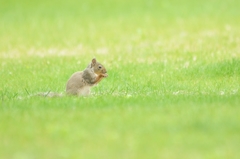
(80, 82)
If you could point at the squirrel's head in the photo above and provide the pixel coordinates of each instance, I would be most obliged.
(98, 68)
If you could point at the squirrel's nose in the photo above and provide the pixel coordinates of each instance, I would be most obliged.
(104, 71)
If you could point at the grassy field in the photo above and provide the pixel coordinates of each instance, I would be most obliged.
(173, 85)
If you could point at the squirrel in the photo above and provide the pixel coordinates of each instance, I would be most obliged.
(80, 82)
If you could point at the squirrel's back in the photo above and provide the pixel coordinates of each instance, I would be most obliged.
(74, 83)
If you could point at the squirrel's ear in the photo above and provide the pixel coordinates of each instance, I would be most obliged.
(94, 61)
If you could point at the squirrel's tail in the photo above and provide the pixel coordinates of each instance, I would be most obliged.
(49, 94)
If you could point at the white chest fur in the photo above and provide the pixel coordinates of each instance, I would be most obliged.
(84, 91)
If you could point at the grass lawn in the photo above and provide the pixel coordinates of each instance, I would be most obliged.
(173, 89)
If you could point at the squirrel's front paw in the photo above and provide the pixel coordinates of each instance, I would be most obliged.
(105, 75)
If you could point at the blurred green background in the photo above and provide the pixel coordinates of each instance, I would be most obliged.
(172, 90)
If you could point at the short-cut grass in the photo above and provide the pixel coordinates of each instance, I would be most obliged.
(172, 90)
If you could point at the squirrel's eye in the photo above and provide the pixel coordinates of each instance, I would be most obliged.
(99, 67)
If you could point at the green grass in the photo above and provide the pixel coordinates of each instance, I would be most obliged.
(172, 90)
